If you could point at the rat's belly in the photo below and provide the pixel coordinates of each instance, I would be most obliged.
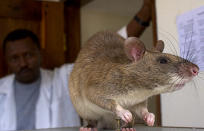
(133, 98)
(92, 111)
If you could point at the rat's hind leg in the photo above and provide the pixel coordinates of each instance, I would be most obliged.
(113, 106)
(93, 93)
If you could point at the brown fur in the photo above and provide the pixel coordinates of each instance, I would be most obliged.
(105, 76)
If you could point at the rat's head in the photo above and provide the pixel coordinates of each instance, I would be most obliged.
(158, 70)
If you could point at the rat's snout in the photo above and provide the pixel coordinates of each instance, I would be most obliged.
(189, 70)
(194, 70)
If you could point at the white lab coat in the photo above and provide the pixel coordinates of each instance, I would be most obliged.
(54, 107)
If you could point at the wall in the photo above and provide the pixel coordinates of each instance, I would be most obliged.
(110, 15)
(183, 108)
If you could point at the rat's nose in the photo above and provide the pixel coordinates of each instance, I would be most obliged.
(194, 71)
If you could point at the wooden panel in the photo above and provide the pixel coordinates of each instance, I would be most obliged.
(72, 29)
(78, 2)
(84, 2)
(48, 25)
(53, 33)
(154, 24)
(16, 14)
(23, 9)
(155, 39)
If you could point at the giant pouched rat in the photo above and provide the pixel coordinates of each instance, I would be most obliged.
(114, 77)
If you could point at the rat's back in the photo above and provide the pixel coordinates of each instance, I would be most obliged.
(103, 46)
(102, 51)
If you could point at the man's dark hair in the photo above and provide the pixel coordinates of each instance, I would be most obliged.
(20, 34)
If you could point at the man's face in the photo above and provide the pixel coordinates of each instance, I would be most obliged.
(23, 59)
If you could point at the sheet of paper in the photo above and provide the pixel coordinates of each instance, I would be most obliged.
(190, 28)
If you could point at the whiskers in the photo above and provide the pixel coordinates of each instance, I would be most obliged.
(187, 52)
(194, 83)
(180, 82)
(177, 82)
(200, 76)
(169, 41)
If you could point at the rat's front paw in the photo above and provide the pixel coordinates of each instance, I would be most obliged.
(125, 115)
(149, 118)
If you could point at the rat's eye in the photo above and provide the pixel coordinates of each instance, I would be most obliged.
(163, 60)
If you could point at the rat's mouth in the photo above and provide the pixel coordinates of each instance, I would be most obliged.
(179, 82)
(179, 86)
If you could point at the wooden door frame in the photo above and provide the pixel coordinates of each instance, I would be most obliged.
(155, 39)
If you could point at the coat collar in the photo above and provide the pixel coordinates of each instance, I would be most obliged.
(6, 84)
(7, 104)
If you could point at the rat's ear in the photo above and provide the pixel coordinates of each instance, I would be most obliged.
(134, 48)
(159, 46)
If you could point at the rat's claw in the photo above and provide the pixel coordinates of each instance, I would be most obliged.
(125, 115)
(149, 118)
